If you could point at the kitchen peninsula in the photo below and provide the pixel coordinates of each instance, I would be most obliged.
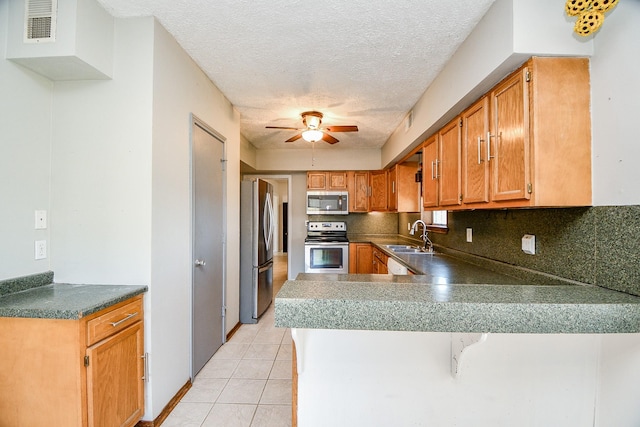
(444, 349)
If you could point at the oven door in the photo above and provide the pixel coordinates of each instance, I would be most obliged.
(326, 257)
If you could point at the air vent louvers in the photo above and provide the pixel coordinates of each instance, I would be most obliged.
(40, 20)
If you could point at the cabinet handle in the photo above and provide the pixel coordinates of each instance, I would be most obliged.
(129, 316)
(145, 374)
(434, 170)
(437, 168)
(479, 150)
(489, 136)
(393, 187)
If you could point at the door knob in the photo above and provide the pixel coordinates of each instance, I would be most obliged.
(200, 263)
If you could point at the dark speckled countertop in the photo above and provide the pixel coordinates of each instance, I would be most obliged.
(31, 297)
(453, 294)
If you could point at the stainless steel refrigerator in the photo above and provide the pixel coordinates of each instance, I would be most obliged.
(256, 249)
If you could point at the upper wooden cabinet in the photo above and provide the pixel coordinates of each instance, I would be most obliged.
(430, 171)
(527, 143)
(540, 135)
(329, 181)
(404, 191)
(441, 172)
(475, 164)
(449, 154)
(379, 192)
(358, 183)
(367, 191)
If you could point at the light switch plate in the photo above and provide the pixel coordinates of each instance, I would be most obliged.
(529, 244)
(469, 235)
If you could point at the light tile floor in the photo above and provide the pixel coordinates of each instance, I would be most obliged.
(247, 383)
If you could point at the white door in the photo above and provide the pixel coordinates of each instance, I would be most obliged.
(208, 244)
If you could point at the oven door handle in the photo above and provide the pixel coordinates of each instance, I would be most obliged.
(340, 244)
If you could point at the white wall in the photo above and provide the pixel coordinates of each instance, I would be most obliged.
(382, 378)
(247, 152)
(326, 158)
(25, 151)
(101, 168)
(615, 87)
(179, 89)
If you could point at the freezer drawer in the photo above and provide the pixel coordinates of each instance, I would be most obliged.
(263, 293)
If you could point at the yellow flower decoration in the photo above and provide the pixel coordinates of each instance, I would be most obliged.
(576, 7)
(589, 22)
(604, 5)
(590, 14)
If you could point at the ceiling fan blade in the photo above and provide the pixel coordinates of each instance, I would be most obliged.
(281, 127)
(342, 128)
(294, 138)
(328, 138)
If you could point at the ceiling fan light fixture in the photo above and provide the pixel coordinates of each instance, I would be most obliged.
(312, 135)
(312, 119)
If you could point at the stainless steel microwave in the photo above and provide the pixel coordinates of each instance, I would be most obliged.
(327, 202)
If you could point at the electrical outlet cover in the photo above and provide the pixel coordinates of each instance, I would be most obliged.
(529, 244)
(41, 249)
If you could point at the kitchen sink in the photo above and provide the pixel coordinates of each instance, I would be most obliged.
(406, 249)
(397, 247)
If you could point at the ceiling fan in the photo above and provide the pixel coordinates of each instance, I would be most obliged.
(312, 131)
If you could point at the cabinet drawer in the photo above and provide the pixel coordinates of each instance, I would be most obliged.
(113, 321)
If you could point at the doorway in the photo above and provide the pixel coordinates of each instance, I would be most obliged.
(208, 209)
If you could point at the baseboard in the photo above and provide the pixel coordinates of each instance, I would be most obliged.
(233, 331)
(168, 408)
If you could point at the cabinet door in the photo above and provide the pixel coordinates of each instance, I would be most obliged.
(378, 200)
(115, 385)
(450, 153)
(337, 181)
(407, 189)
(360, 193)
(316, 180)
(475, 164)
(509, 140)
(392, 189)
(360, 258)
(430, 168)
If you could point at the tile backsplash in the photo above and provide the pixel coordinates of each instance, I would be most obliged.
(598, 245)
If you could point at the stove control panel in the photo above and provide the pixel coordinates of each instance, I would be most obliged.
(327, 226)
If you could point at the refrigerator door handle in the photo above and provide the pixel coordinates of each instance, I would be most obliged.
(267, 221)
(265, 268)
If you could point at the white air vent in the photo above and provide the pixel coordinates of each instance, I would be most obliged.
(40, 21)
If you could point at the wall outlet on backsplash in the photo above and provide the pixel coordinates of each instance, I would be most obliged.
(529, 244)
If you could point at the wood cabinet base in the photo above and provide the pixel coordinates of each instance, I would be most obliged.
(51, 376)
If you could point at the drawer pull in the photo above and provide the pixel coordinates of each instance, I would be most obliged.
(129, 316)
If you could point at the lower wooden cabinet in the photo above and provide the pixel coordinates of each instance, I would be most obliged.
(86, 372)
(360, 258)
(365, 258)
(380, 262)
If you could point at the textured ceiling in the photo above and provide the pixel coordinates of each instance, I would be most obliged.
(363, 63)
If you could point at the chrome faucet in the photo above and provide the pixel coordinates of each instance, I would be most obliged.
(428, 245)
